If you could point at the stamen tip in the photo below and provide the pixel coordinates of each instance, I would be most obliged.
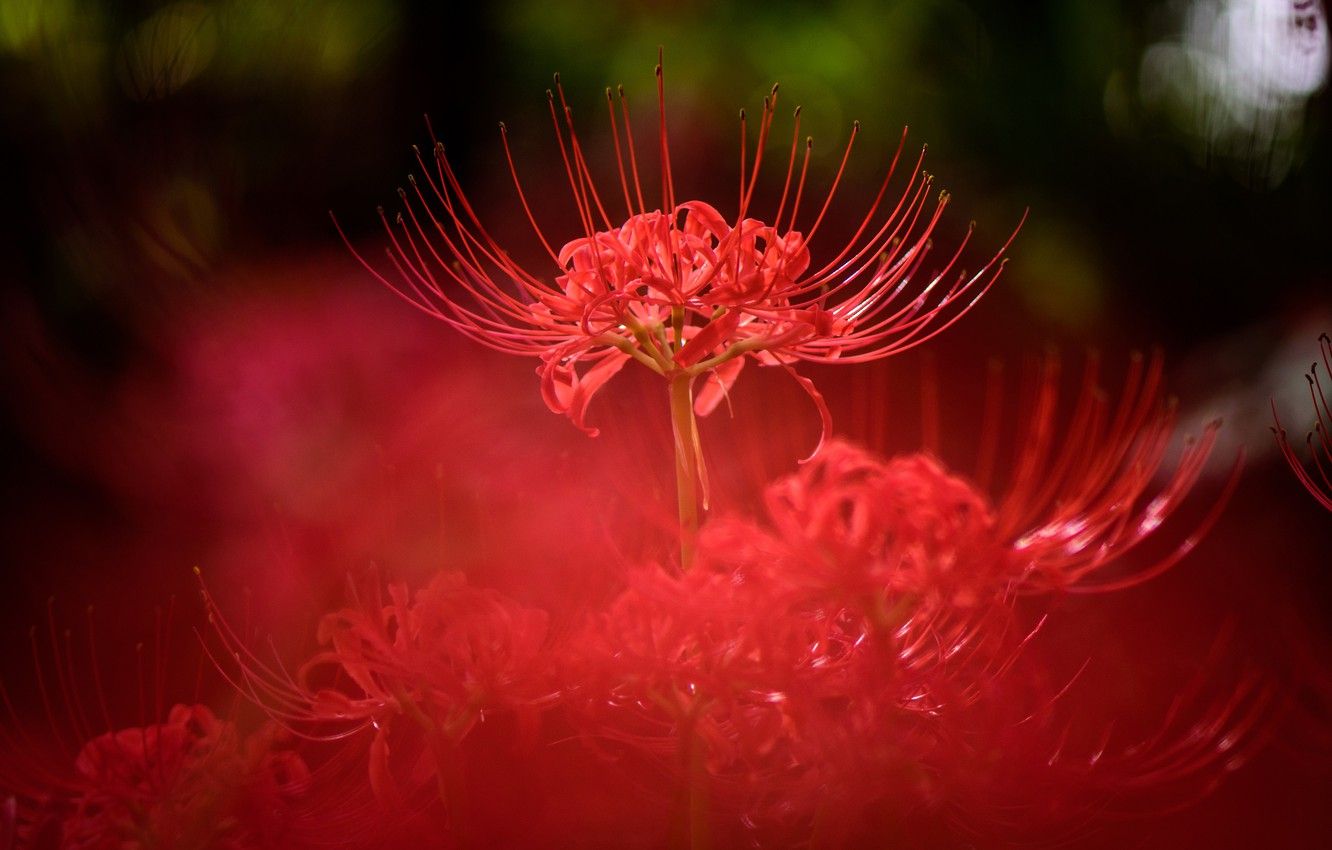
(796, 113)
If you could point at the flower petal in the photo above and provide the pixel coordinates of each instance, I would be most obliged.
(825, 415)
(566, 391)
(716, 385)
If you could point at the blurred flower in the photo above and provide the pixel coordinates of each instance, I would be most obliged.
(1314, 476)
(442, 658)
(1080, 496)
(189, 779)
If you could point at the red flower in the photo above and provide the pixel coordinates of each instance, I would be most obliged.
(702, 672)
(1081, 495)
(441, 659)
(1083, 492)
(1314, 476)
(680, 656)
(850, 526)
(186, 779)
(190, 781)
(679, 288)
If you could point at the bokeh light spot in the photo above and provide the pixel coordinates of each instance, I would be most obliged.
(24, 23)
(167, 51)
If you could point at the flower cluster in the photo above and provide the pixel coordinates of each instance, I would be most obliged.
(861, 650)
(858, 657)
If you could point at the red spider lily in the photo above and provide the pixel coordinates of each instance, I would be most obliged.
(679, 288)
(441, 659)
(190, 779)
(1083, 491)
(676, 648)
(1081, 495)
(701, 671)
(852, 527)
(1314, 476)
(753, 690)
(883, 555)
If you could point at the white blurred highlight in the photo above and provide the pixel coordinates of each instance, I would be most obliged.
(1239, 78)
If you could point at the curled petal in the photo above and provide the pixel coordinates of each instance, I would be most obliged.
(717, 385)
(825, 416)
(566, 391)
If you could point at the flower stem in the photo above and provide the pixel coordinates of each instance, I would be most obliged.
(687, 464)
(692, 829)
(699, 834)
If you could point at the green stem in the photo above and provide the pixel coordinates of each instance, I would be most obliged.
(687, 464)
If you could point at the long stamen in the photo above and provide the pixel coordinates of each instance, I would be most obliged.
(740, 202)
(522, 196)
(800, 187)
(667, 179)
(619, 157)
(575, 185)
(769, 109)
(837, 181)
(790, 167)
(579, 160)
(629, 144)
